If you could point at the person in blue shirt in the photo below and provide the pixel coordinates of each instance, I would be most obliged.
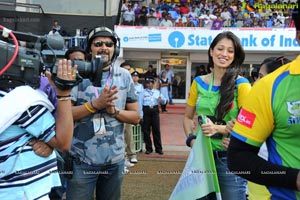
(149, 99)
(27, 175)
(170, 76)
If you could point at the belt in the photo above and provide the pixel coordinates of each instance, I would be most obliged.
(156, 106)
(220, 154)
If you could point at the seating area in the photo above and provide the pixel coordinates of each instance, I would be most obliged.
(211, 14)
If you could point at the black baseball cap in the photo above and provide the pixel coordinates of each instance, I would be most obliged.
(135, 73)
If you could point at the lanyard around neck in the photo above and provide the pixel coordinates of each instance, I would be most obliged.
(150, 92)
(108, 82)
(211, 82)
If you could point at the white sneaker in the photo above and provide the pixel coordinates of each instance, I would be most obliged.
(133, 159)
(126, 171)
(128, 164)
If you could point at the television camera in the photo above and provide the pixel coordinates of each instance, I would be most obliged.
(23, 65)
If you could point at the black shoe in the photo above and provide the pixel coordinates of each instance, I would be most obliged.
(160, 152)
(148, 151)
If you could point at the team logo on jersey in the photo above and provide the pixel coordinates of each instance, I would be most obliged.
(246, 118)
(294, 109)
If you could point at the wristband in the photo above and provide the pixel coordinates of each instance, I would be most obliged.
(189, 139)
(88, 108)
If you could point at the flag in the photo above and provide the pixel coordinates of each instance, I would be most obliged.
(199, 178)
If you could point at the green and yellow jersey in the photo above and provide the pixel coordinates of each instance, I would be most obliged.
(271, 113)
(206, 99)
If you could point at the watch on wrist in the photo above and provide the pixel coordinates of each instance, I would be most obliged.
(116, 113)
(189, 139)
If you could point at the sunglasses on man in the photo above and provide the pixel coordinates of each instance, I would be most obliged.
(100, 43)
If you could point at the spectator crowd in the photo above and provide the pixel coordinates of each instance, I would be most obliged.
(209, 14)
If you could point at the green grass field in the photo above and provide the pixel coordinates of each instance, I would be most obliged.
(153, 177)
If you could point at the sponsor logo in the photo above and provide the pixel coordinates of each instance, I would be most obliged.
(155, 37)
(293, 108)
(246, 118)
(176, 39)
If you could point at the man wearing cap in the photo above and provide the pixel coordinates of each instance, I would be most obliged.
(138, 89)
(271, 113)
(136, 77)
(149, 99)
(100, 108)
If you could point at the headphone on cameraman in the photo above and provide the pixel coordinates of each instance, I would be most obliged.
(110, 33)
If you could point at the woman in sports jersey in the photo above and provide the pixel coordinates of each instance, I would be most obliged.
(219, 95)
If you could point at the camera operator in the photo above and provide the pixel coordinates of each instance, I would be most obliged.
(75, 53)
(65, 170)
(29, 118)
(100, 109)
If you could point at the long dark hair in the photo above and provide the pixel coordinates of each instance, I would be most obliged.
(272, 63)
(228, 80)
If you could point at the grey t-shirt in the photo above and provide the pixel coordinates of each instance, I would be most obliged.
(88, 144)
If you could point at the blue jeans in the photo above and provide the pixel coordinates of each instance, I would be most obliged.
(106, 179)
(232, 186)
